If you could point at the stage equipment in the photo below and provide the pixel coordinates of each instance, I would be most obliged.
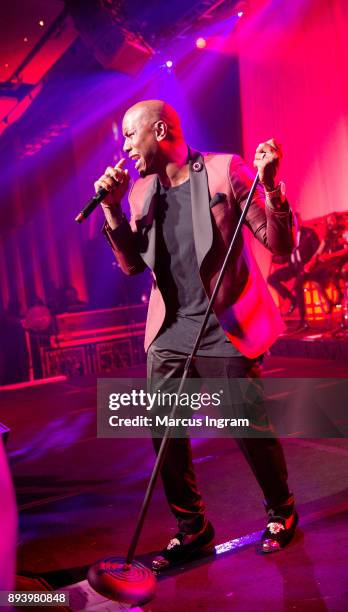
(344, 273)
(114, 47)
(127, 580)
(342, 330)
(96, 341)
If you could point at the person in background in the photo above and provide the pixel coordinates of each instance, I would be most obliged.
(325, 265)
(307, 247)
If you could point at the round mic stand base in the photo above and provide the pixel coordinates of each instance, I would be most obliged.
(114, 579)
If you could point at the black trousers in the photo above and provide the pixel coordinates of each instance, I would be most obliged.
(280, 276)
(264, 455)
(283, 275)
(322, 276)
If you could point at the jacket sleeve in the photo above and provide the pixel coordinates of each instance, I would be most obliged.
(124, 243)
(269, 221)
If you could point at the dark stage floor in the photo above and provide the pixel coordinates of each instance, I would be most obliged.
(79, 498)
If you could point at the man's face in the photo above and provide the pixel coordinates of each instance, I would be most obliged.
(140, 141)
(331, 221)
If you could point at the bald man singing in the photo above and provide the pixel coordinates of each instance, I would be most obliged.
(184, 210)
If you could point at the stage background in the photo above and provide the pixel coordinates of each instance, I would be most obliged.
(279, 71)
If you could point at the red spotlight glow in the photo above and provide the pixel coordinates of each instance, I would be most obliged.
(240, 14)
(201, 43)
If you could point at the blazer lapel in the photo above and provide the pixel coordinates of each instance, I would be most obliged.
(202, 225)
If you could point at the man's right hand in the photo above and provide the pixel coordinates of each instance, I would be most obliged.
(116, 181)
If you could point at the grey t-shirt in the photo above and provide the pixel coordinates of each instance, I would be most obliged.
(179, 280)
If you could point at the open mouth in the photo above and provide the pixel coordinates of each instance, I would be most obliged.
(137, 160)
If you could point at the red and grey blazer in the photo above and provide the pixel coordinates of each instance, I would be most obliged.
(244, 305)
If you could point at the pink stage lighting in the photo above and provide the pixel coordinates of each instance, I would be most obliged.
(169, 64)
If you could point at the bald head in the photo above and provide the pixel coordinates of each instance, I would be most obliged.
(151, 111)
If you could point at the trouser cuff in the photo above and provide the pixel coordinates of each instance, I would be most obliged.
(193, 524)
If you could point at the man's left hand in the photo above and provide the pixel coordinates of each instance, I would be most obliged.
(267, 157)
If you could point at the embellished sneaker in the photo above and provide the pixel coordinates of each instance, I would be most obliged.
(281, 526)
(185, 547)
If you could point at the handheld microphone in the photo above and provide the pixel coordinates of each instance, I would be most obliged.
(91, 205)
(98, 197)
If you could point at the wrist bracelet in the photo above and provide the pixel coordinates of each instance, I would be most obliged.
(276, 194)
